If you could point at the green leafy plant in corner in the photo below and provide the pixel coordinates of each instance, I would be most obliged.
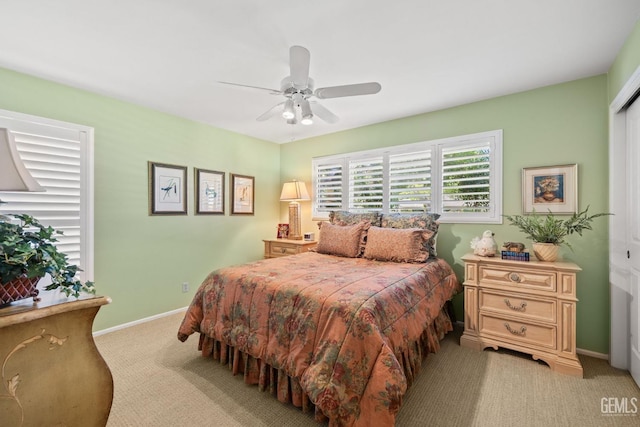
(551, 229)
(28, 249)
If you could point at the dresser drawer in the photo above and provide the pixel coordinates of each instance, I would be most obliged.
(523, 332)
(518, 278)
(282, 249)
(522, 306)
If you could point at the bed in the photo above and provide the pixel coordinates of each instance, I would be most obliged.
(343, 335)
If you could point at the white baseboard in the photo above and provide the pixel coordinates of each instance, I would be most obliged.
(592, 354)
(138, 322)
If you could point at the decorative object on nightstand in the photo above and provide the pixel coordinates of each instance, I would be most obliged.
(549, 232)
(29, 253)
(283, 231)
(274, 248)
(294, 192)
(514, 251)
(485, 245)
(526, 307)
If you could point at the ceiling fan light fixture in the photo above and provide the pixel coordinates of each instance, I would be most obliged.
(307, 114)
(288, 112)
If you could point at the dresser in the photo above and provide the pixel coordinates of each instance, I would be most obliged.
(529, 307)
(274, 248)
(53, 372)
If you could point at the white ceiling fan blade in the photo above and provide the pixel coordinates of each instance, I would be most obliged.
(271, 91)
(326, 115)
(348, 90)
(271, 112)
(299, 59)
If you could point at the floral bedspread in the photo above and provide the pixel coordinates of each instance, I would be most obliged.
(339, 325)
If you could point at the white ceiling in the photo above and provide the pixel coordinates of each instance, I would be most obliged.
(426, 54)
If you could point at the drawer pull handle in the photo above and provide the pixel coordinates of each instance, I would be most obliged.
(522, 307)
(283, 250)
(514, 277)
(520, 332)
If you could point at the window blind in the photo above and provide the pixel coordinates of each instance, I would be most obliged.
(458, 177)
(328, 186)
(410, 182)
(466, 178)
(58, 156)
(365, 184)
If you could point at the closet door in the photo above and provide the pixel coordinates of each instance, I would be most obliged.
(633, 225)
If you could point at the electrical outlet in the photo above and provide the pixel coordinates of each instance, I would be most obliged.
(185, 287)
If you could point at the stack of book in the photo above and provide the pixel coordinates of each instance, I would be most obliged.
(515, 256)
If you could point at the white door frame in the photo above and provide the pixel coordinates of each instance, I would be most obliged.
(619, 345)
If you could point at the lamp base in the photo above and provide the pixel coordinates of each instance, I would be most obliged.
(295, 225)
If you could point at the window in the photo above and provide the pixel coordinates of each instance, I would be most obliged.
(59, 156)
(459, 177)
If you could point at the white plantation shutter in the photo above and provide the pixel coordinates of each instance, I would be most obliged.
(460, 178)
(466, 179)
(328, 187)
(365, 184)
(410, 182)
(59, 156)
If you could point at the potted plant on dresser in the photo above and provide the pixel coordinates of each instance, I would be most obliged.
(28, 253)
(549, 232)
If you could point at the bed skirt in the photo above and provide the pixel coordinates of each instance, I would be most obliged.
(287, 389)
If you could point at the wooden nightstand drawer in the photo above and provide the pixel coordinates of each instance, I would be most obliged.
(524, 332)
(519, 277)
(522, 306)
(283, 247)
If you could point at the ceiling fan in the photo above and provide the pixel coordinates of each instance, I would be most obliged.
(298, 88)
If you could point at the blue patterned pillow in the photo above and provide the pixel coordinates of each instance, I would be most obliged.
(427, 221)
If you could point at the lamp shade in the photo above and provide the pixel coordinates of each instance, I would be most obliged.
(293, 191)
(14, 176)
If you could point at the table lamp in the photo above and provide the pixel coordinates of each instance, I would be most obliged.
(14, 176)
(293, 192)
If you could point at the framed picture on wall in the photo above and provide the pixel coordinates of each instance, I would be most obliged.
(242, 194)
(550, 189)
(167, 189)
(209, 192)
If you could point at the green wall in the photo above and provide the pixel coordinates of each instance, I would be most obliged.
(141, 261)
(553, 125)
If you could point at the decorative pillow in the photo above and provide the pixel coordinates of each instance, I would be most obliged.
(400, 245)
(341, 240)
(348, 218)
(426, 221)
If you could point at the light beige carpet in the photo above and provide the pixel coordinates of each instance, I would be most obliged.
(160, 381)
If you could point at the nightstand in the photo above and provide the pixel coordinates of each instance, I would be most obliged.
(529, 307)
(274, 248)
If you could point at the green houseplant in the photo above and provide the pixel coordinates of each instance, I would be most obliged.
(28, 253)
(548, 232)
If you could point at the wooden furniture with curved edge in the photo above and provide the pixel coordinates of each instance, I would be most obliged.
(52, 372)
(528, 307)
(274, 248)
